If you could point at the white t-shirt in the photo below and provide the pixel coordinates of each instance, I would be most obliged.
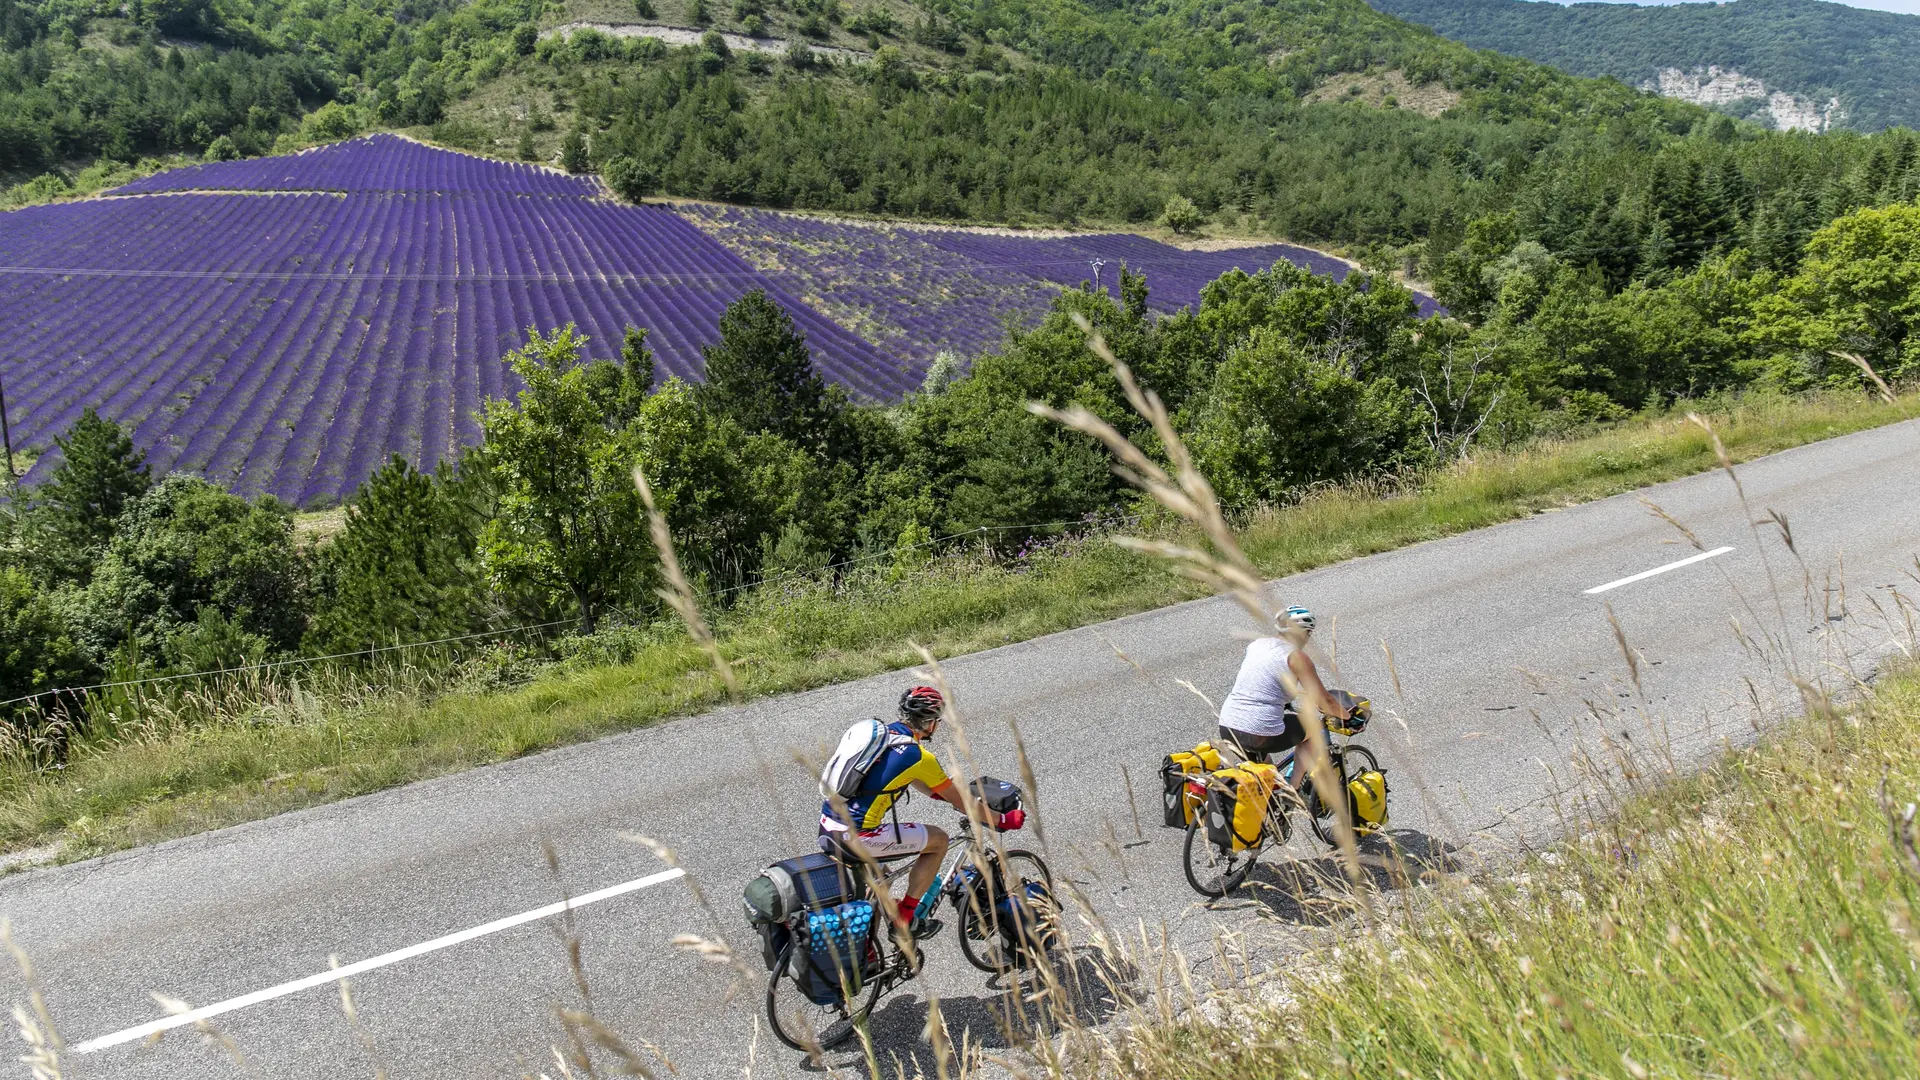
(1258, 702)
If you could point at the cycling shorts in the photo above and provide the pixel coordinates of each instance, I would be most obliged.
(885, 842)
(1262, 747)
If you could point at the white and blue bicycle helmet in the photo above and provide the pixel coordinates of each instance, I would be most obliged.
(1296, 617)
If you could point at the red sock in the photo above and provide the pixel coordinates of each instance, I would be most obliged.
(907, 907)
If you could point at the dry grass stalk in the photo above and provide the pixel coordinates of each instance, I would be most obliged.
(173, 1006)
(1886, 392)
(36, 1027)
(1660, 512)
(1225, 568)
(580, 1023)
(1903, 829)
(678, 593)
(360, 1032)
(717, 948)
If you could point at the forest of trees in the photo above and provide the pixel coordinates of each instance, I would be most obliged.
(1809, 48)
(1277, 381)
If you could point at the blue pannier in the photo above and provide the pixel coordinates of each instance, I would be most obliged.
(837, 954)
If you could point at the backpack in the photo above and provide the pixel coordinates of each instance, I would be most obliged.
(859, 748)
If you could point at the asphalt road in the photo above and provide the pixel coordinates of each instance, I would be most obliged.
(1507, 667)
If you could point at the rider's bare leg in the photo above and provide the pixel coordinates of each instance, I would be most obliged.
(920, 878)
(1304, 761)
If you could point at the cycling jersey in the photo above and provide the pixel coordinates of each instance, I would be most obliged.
(900, 766)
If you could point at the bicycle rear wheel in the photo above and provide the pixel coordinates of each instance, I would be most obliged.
(1213, 872)
(805, 1024)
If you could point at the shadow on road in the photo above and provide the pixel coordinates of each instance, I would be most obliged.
(1001, 1019)
(1315, 891)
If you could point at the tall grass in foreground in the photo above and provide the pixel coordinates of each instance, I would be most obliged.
(173, 766)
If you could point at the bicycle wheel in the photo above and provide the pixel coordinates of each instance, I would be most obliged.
(993, 942)
(805, 1024)
(1323, 818)
(1213, 872)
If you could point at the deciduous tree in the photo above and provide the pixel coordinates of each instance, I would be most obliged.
(568, 518)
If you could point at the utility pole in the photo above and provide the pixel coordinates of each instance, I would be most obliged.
(6, 432)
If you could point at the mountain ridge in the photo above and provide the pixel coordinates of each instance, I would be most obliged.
(1813, 51)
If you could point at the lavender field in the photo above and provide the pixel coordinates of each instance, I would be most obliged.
(917, 290)
(283, 325)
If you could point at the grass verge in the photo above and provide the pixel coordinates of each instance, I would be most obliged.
(170, 782)
(1755, 920)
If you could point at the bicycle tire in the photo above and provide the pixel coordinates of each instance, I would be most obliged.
(968, 916)
(1323, 826)
(787, 1012)
(1228, 880)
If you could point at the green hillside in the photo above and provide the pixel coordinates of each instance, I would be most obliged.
(1807, 48)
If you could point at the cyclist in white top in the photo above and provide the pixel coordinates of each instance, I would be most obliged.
(1259, 719)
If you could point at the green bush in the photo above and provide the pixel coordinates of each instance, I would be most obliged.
(185, 545)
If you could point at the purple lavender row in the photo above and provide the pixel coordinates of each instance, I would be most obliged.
(373, 163)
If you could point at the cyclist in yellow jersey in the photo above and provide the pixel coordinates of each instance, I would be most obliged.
(908, 763)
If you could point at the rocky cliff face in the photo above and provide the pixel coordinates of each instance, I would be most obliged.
(1718, 87)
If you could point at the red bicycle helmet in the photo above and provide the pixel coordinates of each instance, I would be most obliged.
(921, 705)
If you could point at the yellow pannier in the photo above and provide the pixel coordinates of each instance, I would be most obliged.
(1367, 795)
(1237, 804)
(1177, 806)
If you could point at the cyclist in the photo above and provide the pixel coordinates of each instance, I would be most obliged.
(906, 763)
(1259, 720)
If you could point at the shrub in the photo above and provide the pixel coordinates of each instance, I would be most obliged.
(629, 178)
(1181, 215)
(185, 545)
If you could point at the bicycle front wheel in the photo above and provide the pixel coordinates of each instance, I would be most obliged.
(996, 940)
(1318, 813)
(808, 1025)
(1213, 872)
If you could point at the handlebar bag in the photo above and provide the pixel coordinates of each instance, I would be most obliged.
(997, 795)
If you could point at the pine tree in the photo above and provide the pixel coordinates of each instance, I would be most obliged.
(761, 375)
(73, 514)
(404, 569)
(637, 359)
(573, 152)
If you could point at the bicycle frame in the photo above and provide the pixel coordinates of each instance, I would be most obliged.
(1289, 797)
(896, 866)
